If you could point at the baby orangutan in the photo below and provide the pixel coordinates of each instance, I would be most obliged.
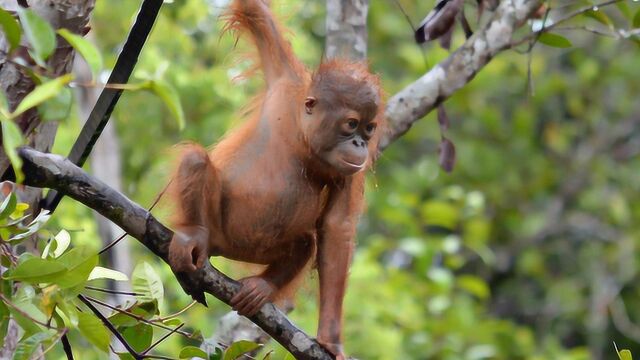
(287, 186)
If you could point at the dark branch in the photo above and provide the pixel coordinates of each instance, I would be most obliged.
(56, 172)
(110, 326)
(66, 346)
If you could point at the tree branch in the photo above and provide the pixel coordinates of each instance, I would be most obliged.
(56, 172)
(423, 95)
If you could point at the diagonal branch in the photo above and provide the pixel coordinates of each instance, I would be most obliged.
(423, 95)
(56, 172)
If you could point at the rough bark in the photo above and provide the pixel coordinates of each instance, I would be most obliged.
(16, 84)
(56, 172)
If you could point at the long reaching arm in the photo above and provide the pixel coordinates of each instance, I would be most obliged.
(335, 248)
(276, 57)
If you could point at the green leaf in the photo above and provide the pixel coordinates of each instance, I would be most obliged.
(58, 107)
(8, 205)
(238, 348)
(4, 326)
(473, 285)
(39, 33)
(68, 312)
(625, 355)
(289, 357)
(11, 139)
(188, 352)
(27, 324)
(33, 227)
(624, 9)
(5, 314)
(27, 346)
(23, 300)
(94, 331)
(100, 272)
(79, 263)
(217, 355)
(63, 239)
(138, 336)
(554, 40)
(4, 107)
(172, 322)
(636, 19)
(171, 99)
(88, 51)
(599, 16)
(440, 213)
(145, 310)
(18, 213)
(36, 270)
(146, 282)
(42, 93)
(11, 29)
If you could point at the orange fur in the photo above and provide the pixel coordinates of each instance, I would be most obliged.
(286, 187)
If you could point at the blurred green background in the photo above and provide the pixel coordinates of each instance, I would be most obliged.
(527, 250)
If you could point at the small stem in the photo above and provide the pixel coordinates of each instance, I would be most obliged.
(155, 202)
(561, 20)
(161, 319)
(66, 346)
(107, 86)
(6, 301)
(112, 244)
(110, 326)
(137, 317)
(53, 344)
(108, 291)
(161, 340)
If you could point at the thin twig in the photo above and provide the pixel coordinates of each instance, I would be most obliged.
(174, 314)
(413, 29)
(159, 357)
(621, 320)
(110, 326)
(66, 346)
(155, 202)
(16, 308)
(591, 30)
(160, 195)
(53, 344)
(137, 317)
(112, 244)
(161, 339)
(108, 291)
(562, 20)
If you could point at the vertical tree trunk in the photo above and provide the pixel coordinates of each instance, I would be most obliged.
(347, 29)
